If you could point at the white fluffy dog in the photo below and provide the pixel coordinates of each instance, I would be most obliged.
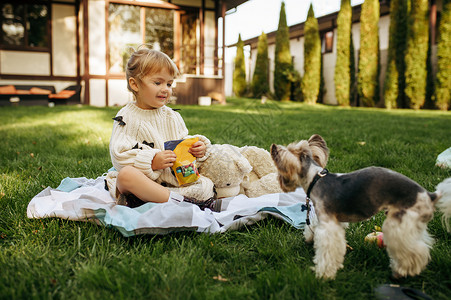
(357, 196)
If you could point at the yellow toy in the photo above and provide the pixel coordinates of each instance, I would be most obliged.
(184, 167)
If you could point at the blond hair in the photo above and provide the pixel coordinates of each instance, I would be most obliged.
(145, 61)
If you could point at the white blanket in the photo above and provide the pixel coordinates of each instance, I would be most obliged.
(82, 199)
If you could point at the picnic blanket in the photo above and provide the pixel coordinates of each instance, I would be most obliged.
(444, 159)
(82, 199)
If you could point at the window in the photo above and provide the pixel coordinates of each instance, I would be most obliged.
(189, 54)
(327, 42)
(24, 26)
(131, 26)
(160, 29)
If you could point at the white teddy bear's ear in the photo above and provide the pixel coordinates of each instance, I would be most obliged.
(244, 165)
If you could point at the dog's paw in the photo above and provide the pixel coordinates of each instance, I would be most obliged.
(324, 274)
(396, 277)
(308, 234)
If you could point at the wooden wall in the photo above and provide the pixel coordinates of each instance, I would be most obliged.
(188, 91)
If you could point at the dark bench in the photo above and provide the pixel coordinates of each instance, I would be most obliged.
(70, 95)
(38, 95)
(25, 94)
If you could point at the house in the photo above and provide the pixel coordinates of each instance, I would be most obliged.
(86, 42)
(328, 29)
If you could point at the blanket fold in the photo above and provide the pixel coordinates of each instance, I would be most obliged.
(82, 199)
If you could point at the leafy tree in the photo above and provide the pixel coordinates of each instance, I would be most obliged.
(312, 59)
(260, 84)
(394, 79)
(443, 79)
(368, 77)
(282, 60)
(416, 54)
(239, 73)
(342, 78)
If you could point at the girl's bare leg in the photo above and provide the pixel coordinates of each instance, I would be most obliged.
(132, 181)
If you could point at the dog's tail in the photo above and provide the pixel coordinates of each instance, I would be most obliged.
(444, 202)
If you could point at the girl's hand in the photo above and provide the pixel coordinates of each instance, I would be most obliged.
(198, 149)
(164, 159)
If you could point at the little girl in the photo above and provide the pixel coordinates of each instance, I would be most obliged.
(139, 132)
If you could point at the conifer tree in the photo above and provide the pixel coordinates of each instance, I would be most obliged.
(352, 79)
(342, 77)
(282, 58)
(394, 78)
(312, 59)
(322, 84)
(368, 77)
(239, 72)
(443, 79)
(416, 53)
(430, 87)
(260, 84)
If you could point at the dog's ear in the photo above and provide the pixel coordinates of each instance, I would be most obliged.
(274, 151)
(276, 154)
(317, 140)
(285, 160)
(319, 149)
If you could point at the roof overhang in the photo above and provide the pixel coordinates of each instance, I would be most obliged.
(233, 3)
(325, 23)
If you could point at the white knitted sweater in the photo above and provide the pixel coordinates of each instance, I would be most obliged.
(143, 135)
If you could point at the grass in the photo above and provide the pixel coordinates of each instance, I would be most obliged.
(54, 258)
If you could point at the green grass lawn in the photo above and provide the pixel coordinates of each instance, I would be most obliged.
(54, 258)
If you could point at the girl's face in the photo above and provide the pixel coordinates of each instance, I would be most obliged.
(154, 90)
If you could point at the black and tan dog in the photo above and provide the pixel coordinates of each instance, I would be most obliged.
(357, 196)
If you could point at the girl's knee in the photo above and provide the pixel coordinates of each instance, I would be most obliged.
(125, 176)
(126, 171)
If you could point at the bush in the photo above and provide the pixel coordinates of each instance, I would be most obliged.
(260, 84)
(312, 59)
(282, 59)
(369, 53)
(342, 77)
(239, 73)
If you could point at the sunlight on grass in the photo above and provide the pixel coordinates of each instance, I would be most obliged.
(54, 258)
(73, 118)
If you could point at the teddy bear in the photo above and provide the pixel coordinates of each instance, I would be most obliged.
(263, 179)
(247, 170)
(226, 167)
